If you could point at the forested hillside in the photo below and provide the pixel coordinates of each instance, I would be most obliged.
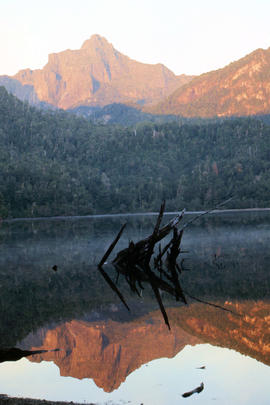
(54, 163)
(121, 114)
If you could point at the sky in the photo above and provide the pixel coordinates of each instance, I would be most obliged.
(187, 36)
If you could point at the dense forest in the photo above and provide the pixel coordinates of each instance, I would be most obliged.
(122, 114)
(55, 163)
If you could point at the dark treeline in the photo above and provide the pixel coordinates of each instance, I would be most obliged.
(54, 163)
(122, 114)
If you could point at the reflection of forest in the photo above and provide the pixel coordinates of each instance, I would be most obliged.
(228, 258)
(108, 351)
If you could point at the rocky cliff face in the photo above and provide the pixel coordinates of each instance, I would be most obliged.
(109, 351)
(97, 74)
(24, 93)
(241, 88)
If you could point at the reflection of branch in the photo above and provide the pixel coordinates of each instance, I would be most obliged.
(134, 263)
(196, 390)
(211, 304)
(113, 286)
(104, 274)
(14, 354)
(155, 288)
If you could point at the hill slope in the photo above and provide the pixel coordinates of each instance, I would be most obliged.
(241, 88)
(53, 163)
(97, 74)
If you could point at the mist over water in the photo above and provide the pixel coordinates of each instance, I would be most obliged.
(226, 258)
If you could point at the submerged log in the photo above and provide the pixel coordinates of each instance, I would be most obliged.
(141, 248)
(134, 262)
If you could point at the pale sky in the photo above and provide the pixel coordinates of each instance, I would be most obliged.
(187, 36)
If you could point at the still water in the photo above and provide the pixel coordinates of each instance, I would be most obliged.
(109, 355)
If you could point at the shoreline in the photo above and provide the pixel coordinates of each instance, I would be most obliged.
(6, 400)
(129, 214)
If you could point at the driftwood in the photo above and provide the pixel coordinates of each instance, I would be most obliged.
(196, 390)
(139, 264)
(134, 263)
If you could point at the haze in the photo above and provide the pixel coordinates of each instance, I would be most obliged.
(188, 37)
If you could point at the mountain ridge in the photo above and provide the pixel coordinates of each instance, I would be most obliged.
(241, 88)
(98, 74)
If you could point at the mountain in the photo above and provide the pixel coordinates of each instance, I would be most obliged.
(23, 92)
(97, 74)
(241, 88)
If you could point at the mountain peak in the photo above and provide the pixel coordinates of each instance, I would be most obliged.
(97, 74)
(95, 41)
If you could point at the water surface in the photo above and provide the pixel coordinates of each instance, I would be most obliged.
(106, 353)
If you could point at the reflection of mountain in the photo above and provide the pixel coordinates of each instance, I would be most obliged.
(109, 351)
(228, 256)
(248, 332)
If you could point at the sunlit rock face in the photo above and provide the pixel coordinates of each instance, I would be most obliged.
(97, 74)
(109, 352)
(241, 88)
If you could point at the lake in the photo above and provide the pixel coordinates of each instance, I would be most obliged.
(108, 355)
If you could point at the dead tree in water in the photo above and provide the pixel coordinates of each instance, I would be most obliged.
(134, 262)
